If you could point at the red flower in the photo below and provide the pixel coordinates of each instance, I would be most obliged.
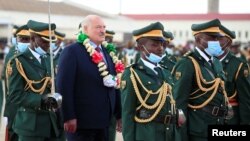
(97, 57)
(119, 67)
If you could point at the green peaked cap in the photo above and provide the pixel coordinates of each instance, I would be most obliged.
(42, 29)
(109, 33)
(168, 35)
(60, 35)
(23, 31)
(211, 26)
(227, 32)
(152, 30)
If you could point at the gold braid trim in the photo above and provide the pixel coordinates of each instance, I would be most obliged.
(45, 80)
(163, 92)
(236, 76)
(200, 80)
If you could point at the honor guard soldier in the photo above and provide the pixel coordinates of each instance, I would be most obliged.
(22, 36)
(199, 87)
(148, 107)
(29, 81)
(168, 61)
(109, 36)
(58, 48)
(237, 84)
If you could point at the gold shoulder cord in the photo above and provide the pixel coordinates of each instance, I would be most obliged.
(29, 84)
(200, 80)
(236, 76)
(163, 92)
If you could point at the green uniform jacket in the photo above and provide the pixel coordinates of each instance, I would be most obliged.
(10, 108)
(30, 120)
(56, 59)
(241, 85)
(152, 131)
(185, 84)
(168, 62)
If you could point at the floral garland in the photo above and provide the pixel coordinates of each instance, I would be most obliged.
(108, 79)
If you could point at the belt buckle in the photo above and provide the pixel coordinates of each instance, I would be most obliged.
(167, 119)
(215, 110)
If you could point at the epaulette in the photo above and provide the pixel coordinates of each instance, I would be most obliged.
(130, 65)
(187, 53)
(15, 56)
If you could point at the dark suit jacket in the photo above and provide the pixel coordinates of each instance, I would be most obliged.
(84, 95)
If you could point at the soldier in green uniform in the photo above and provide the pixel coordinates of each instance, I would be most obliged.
(29, 82)
(168, 61)
(57, 48)
(237, 84)
(199, 87)
(109, 35)
(131, 54)
(148, 107)
(23, 41)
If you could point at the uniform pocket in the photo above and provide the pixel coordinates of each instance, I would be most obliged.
(25, 120)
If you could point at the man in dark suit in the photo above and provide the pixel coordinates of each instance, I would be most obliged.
(86, 79)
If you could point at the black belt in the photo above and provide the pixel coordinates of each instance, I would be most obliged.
(165, 119)
(215, 110)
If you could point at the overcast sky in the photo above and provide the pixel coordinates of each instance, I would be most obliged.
(164, 6)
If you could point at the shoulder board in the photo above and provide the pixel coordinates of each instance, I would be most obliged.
(187, 54)
(15, 56)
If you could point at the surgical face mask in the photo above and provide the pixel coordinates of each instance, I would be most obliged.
(13, 41)
(53, 46)
(214, 48)
(39, 50)
(21, 47)
(152, 57)
(169, 51)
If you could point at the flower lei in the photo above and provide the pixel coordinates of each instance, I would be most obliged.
(108, 79)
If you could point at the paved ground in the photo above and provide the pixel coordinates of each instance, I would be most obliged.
(2, 134)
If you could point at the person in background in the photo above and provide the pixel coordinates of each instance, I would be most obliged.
(109, 36)
(57, 48)
(168, 61)
(148, 107)
(237, 84)
(22, 36)
(199, 86)
(88, 78)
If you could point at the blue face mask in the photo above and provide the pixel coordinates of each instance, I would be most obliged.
(214, 48)
(13, 41)
(21, 47)
(153, 57)
(54, 47)
(39, 50)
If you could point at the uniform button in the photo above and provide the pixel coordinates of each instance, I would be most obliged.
(218, 120)
(149, 82)
(194, 110)
(24, 110)
(167, 128)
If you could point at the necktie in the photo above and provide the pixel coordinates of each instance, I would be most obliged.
(159, 71)
(98, 49)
